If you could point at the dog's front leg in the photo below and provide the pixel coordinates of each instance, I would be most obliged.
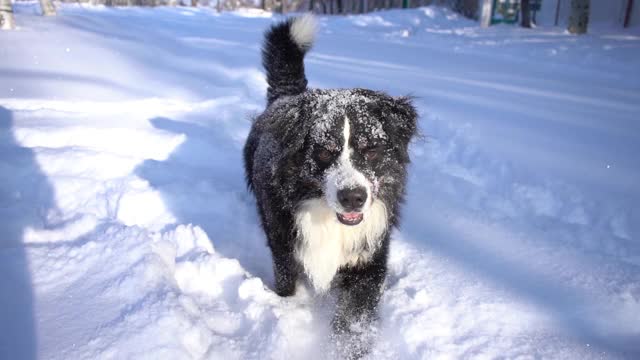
(360, 290)
(285, 267)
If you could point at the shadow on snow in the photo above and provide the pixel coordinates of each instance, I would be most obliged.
(202, 183)
(25, 198)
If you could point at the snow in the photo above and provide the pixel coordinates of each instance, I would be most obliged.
(126, 230)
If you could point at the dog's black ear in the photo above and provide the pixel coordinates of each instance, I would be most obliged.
(399, 118)
(406, 125)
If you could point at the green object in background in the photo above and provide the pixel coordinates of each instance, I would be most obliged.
(508, 11)
(405, 4)
(505, 11)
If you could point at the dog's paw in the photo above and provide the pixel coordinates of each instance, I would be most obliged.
(350, 344)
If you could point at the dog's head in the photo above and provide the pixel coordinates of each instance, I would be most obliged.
(349, 148)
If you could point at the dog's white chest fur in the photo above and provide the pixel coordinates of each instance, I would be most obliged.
(325, 244)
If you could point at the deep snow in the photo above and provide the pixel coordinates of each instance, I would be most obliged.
(126, 230)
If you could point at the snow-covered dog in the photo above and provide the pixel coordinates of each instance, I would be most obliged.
(328, 169)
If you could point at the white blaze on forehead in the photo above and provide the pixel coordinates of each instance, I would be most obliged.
(345, 156)
(343, 175)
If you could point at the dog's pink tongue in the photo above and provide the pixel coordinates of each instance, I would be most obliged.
(351, 216)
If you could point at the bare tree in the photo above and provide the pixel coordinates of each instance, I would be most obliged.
(526, 14)
(486, 12)
(557, 12)
(6, 15)
(468, 8)
(323, 4)
(627, 13)
(47, 8)
(579, 18)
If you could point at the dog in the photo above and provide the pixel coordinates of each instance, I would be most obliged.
(328, 169)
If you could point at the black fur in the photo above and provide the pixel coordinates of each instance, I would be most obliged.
(282, 58)
(283, 170)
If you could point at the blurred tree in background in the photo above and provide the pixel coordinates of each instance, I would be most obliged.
(7, 21)
(525, 20)
(579, 18)
(468, 8)
(47, 8)
(6, 15)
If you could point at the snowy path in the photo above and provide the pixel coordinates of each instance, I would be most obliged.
(126, 230)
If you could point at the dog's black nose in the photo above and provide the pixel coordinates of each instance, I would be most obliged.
(352, 199)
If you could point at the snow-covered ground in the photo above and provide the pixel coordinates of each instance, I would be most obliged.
(126, 231)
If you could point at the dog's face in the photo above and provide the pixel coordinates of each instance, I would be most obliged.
(352, 150)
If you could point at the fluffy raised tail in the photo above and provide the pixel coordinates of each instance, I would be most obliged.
(285, 45)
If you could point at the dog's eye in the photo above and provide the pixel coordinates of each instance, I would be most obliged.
(372, 153)
(324, 155)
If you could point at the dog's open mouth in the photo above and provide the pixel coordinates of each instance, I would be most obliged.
(352, 218)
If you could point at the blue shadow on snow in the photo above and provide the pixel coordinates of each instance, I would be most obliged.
(25, 197)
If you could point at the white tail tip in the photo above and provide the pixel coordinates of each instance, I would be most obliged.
(303, 30)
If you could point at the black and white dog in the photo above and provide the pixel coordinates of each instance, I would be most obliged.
(328, 169)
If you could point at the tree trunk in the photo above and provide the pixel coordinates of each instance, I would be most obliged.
(526, 14)
(6, 15)
(47, 8)
(557, 12)
(194, 3)
(486, 12)
(468, 8)
(627, 13)
(579, 19)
